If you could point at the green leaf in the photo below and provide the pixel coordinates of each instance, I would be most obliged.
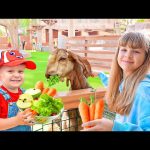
(84, 100)
(46, 105)
(92, 99)
(53, 80)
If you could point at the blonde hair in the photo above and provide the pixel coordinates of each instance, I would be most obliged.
(121, 102)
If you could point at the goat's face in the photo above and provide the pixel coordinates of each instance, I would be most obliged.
(65, 63)
(59, 63)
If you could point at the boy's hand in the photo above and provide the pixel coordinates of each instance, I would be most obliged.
(25, 118)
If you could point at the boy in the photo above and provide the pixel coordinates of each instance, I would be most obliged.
(12, 66)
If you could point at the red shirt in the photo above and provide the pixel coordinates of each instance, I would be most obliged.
(4, 103)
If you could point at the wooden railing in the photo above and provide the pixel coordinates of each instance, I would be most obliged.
(98, 50)
(71, 99)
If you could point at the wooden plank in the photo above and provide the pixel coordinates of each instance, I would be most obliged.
(94, 65)
(90, 45)
(105, 37)
(71, 99)
(94, 51)
(76, 38)
(97, 71)
(109, 37)
(99, 59)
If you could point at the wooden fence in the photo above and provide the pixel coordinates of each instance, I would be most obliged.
(98, 50)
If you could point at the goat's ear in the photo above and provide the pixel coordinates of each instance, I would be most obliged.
(87, 67)
(83, 62)
(55, 51)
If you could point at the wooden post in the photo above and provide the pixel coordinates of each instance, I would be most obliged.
(71, 30)
(39, 39)
(85, 54)
(51, 45)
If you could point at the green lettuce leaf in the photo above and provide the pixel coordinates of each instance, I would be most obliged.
(47, 105)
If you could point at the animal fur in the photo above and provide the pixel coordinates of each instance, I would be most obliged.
(71, 66)
(74, 68)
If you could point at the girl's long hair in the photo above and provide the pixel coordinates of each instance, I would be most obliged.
(121, 102)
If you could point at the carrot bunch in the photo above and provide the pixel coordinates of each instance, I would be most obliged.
(45, 90)
(91, 111)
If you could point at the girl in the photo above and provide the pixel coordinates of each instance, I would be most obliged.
(128, 93)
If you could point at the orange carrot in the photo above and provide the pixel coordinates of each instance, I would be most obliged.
(32, 111)
(51, 92)
(92, 108)
(39, 85)
(84, 111)
(99, 109)
(45, 90)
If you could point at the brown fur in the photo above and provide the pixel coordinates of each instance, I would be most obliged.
(68, 65)
(74, 68)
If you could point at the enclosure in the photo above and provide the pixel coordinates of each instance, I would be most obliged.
(71, 101)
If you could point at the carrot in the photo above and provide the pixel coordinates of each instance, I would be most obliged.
(39, 85)
(32, 111)
(51, 92)
(84, 111)
(99, 109)
(45, 90)
(92, 108)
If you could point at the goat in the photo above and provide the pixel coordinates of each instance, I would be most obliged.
(71, 66)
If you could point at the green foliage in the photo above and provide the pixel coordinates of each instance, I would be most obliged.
(140, 20)
(53, 80)
(47, 105)
(24, 24)
(3, 31)
(82, 99)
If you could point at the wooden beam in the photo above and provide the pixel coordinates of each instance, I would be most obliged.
(90, 45)
(94, 51)
(71, 99)
(105, 37)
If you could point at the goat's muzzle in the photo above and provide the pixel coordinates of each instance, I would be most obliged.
(47, 75)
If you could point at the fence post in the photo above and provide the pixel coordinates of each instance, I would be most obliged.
(86, 48)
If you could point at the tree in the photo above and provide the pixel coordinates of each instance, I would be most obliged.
(24, 24)
(123, 23)
(12, 27)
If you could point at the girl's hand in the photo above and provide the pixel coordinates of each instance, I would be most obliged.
(98, 125)
(25, 118)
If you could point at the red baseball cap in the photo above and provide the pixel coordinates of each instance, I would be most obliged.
(13, 58)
